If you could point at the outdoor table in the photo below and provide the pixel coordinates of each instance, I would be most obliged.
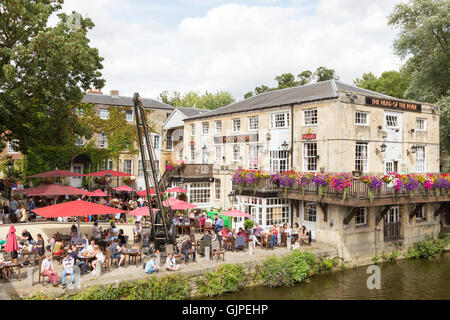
(132, 253)
(86, 259)
(8, 266)
(239, 242)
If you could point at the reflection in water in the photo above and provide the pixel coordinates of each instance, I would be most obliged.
(407, 279)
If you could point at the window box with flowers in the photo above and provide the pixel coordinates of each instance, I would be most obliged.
(100, 181)
(128, 181)
(175, 166)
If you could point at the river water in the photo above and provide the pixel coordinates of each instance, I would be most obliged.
(404, 280)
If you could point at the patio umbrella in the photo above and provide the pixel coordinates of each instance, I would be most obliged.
(142, 211)
(236, 213)
(124, 188)
(176, 189)
(56, 174)
(176, 204)
(105, 172)
(97, 193)
(11, 242)
(54, 190)
(78, 208)
(143, 193)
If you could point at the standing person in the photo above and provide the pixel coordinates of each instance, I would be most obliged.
(13, 206)
(218, 225)
(5, 212)
(31, 207)
(152, 266)
(48, 270)
(137, 229)
(68, 264)
(96, 234)
(274, 237)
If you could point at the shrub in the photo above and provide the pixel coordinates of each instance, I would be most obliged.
(226, 278)
(249, 223)
(428, 248)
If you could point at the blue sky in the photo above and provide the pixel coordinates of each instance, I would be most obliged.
(151, 46)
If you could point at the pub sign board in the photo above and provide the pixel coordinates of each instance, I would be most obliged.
(392, 104)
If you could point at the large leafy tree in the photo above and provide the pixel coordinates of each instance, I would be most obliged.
(288, 80)
(193, 99)
(423, 41)
(392, 83)
(43, 71)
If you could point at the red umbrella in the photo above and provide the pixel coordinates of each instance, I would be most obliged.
(105, 172)
(143, 193)
(176, 204)
(176, 189)
(236, 213)
(76, 208)
(54, 190)
(11, 242)
(97, 193)
(124, 188)
(142, 211)
(56, 174)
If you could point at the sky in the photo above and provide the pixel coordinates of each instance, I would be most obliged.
(210, 45)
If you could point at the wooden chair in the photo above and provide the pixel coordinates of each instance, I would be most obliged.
(112, 260)
(284, 237)
(194, 242)
(107, 263)
(41, 276)
(215, 246)
(228, 244)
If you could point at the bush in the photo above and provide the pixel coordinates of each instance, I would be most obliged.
(428, 249)
(249, 223)
(275, 273)
(226, 278)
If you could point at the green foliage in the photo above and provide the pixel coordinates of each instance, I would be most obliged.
(226, 278)
(444, 104)
(393, 83)
(376, 259)
(428, 249)
(423, 42)
(392, 257)
(249, 223)
(193, 99)
(324, 74)
(43, 71)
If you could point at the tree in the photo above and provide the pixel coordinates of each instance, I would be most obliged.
(305, 77)
(193, 99)
(286, 80)
(392, 83)
(42, 73)
(324, 74)
(423, 42)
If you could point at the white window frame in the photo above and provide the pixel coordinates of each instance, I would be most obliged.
(310, 117)
(127, 114)
(156, 141)
(217, 189)
(390, 123)
(310, 212)
(11, 144)
(193, 129)
(360, 115)
(361, 216)
(279, 160)
(280, 120)
(79, 141)
(106, 165)
(421, 163)
(200, 193)
(310, 156)
(359, 156)
(277, 211)
(77, 169)
(192, 153)
(103, 113)
(236, 153)
(169, 142)
(205, 128)
(180, 154)
(253, 123)
(253, 160)
(219, 126)
(125, 168)
(236, 125)
(421, 215)
(218, 153)
(102, 140)
(424, 121)
(79, 112)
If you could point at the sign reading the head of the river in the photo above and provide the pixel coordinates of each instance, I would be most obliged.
(392, 104)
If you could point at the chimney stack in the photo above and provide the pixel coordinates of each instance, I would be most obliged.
(114, 93)
(95, 91)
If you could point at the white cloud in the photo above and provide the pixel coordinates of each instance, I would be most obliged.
(236, 47)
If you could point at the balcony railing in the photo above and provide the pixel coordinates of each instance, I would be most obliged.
(358, 191)
(192, 170)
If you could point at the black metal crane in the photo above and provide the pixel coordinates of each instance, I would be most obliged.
(160, 234)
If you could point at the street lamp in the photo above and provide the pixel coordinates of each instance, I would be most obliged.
(108, 177)
(413, 150)
(231, 197)
(382, 149)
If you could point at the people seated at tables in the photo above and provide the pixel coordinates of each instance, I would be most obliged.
(74, 251)
(152, 266)
(68, 264)
(58, 247)
(218, 224)
(207, 236)
(171, 263)
(48, 270)
(116, 252)
(226, 232)
(176, 220)
(39, 247)
(137, 229)
(96, 233)
(114, 232)
(73, 231)
(202, 220)
(51, 243)
(26, 237)
(84, 241)
(304, 235)
(295, 230)
(122, 239)
(274, 236)
(98, 254)
(192, 215)
(76, 240)
(186, 249)
(209, 220)
(89, 249)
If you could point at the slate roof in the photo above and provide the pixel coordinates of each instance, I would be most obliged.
(103, 99)
(310, 92)
(190, 112)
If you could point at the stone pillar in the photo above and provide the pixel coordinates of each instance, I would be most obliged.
(77, 275)
(30, 276)
(251, 245)
(158, 258)
(208, 253)
(98, 268)
(289, 243)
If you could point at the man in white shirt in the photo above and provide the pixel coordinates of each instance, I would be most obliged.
(68, 263)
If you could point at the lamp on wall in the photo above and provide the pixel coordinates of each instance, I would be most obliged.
(381, 150)
(413, 150)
